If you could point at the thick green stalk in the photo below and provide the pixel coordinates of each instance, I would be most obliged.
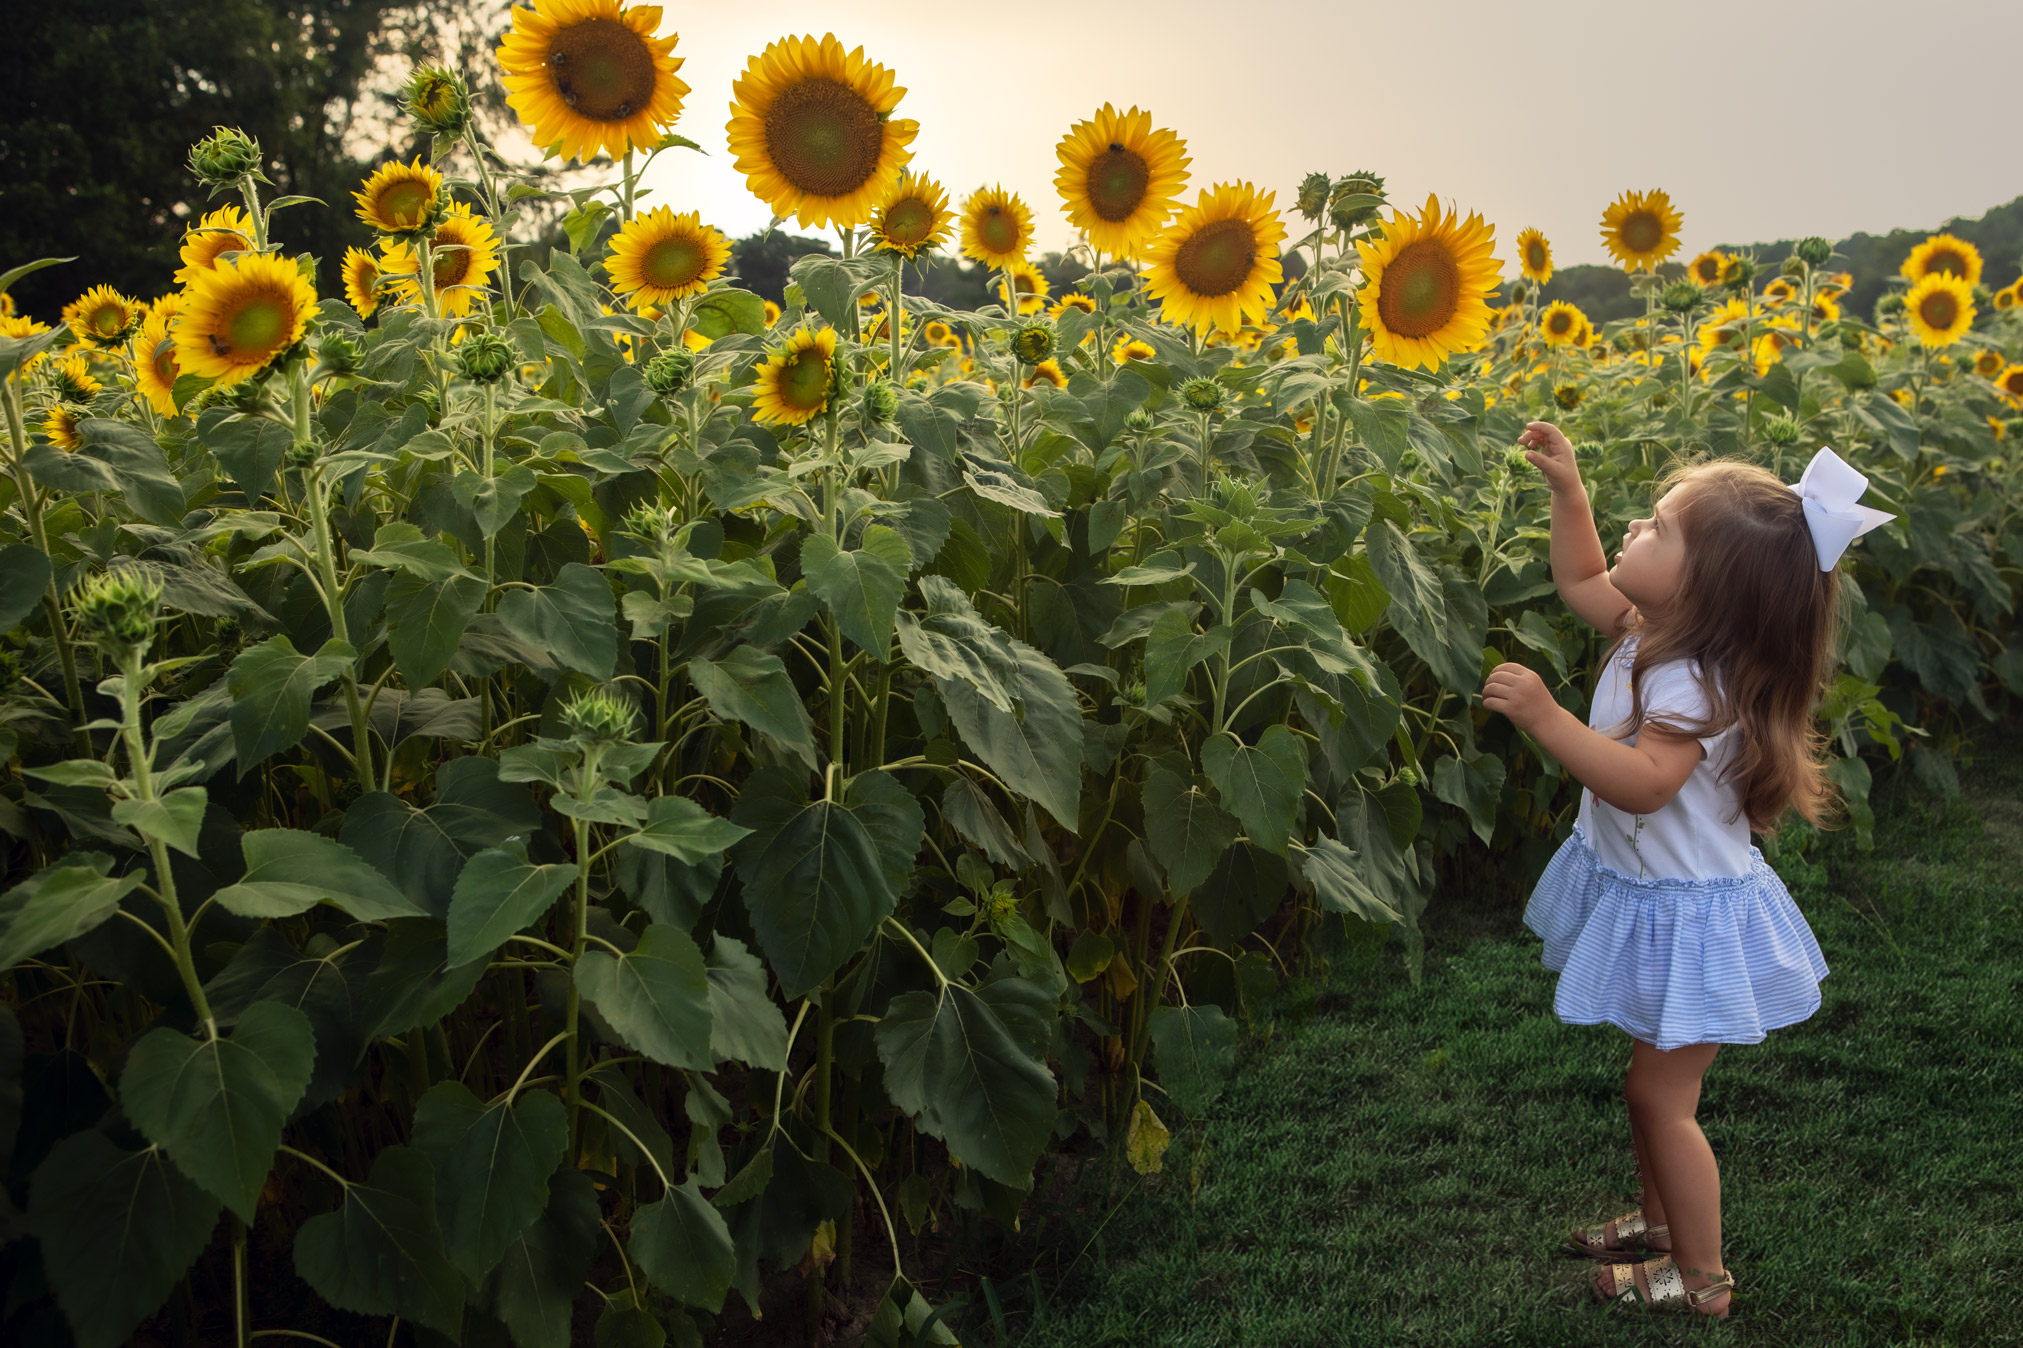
(825, 1038)
(586, 787)
(165, 879)
(52, 602)
(490, 430)
(1150, 994)
(898, 307)
(333, 594)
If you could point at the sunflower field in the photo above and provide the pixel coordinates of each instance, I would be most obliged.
(544, 791)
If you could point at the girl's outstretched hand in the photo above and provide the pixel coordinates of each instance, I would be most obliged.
(1547, 449)
(1518, 693)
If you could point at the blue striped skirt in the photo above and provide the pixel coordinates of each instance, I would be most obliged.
(1674, 962)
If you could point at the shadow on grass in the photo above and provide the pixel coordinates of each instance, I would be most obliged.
(1392, 1166)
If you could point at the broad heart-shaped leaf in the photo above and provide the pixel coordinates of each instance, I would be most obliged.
(494, 500)
(1187, 830)
(24, 579)
(655, 997)
(1473, 787)
(1334, 873)
(147, 485)
(382, 1253)
(1036, 748)
(216, 1105)
(60, 903)
(952, 642)
(248, 448)
(1260, 784)
(1194, 1048)
(574, 620)
(426, 620)
(684, 830)
(814, 882)
(953, 1064)
(1246, 887)
(500, 892)
(175, 818)
(1172, 648)
(492, 1164)
(746, 1025)
(862, 588)
(403, 547)
(413, 983)
(118, 1231)
(892, 816)
(289, 871)
(684, 1247)
(271, 686)
(1444, 621)
(752, 686)
(421, 851)
(533, 1289)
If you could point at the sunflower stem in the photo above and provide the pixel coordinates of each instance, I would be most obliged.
(251, 192)
(425, 273)
(333, 593)
(52, 599)
(898, 308)
(631, 184)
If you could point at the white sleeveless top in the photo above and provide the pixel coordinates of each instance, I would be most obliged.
(1701, 833)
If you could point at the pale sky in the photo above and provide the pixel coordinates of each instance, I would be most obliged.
(1763, 120)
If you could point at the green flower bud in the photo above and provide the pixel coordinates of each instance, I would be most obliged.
(669, 372)
(225, 157)
(1682, 297)
(1313, 195)
(1984, 299)
(486, 358)
(881, 400)
(1203, 395)
(301, 453)
(1139, 420)
(1850, 338)
(598, 717)
(1033, 342)
(1794, 267)
(438, 100)
(1814, 251)
(1520, 290)
(1513, 459)
(1409, 460)
(1738, 273)
(1343, 210)
(1781, 430)
(1235, 497)
(1408, 776)
(646, 520)
(339, 354)
(1888, 305)
(1568, 396)
(117, 610)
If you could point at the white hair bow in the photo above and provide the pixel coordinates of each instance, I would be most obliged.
(1831, 490)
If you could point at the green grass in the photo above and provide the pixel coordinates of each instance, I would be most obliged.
(1397, 1167)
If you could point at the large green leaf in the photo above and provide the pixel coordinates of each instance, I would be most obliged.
(414, 983)
(684, 1247)
(1473, 787)
(746, 1025)
(499, 893)
(656, 996)
(1173, 647)
(272, 685)
(147, 485)
(492, 1164)
(533, 1288)
(289, 871)
(216, 1105)
(1036, 748)
(382, 1253)
(813, 881)
(1186, 829)
(680, 828)
(174, 817)
(118, 1231)
(752, 686)
(861, 588)
(1260, 784)
(951, 641)
(1194, 1048)
(574, 620)
(249, 448)
(426, 620)
(1246, 887)
(952, 1063)
(1342, 881)
(24, 579)
(422, 851)
(1443, 619)
(59, 903)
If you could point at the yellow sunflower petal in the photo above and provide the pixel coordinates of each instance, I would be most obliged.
(661, 257)
(225, 230)
(793, 384)
(1119, 178)
(1940, 308)
(361, 281)
(399, 198)
(1429, 279)
(1562, 324)
(102, 317)
(1944, 253)
(1641, 229)
(463, 254)
(585, 75)
(1217, 262)
(1534, 257)
(913, 216)
(240, 315)
(996, 227)
(812, 131)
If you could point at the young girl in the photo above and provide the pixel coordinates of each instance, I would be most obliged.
(1658, 913)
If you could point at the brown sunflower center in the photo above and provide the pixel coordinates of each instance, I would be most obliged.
(451, 262)
(257, 326)
(908, 222)
(1641, 231)
(1216, 259)
(1946, 260)
(804, 381)
(824, 137)
(1117, 181)
(2012, 383)
(1707, 270)
(1559, 325)
(1987, 362)
(405, 202)
(1534, 254)
(1421, 289)
(1940, 309)
(602, 69)
(998, 230)
(672, 263)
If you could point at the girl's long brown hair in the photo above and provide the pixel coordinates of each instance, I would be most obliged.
(1760, 617)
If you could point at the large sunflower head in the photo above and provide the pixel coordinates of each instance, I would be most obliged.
(401, 198)
(463, 254)
(71, 380)
(1825, 308)
(104, 318)
(1119, 177)
(1989, 363)
(225, 230)
(2010, 381)
(361, 281)
(913, 215)
(1562, 324)
(1641, 229)
(585, 74)
(2005, 298)
(154, 356)
(240, 315)
(996, 227)
(1944, 253)
(1941, 308)
(1726, 326)
(661, 257)
(1707, 267)
(793, 383)
(1534, 257)
(1031, 285)
(1218, 261)
(1427, 282)
(813, 132)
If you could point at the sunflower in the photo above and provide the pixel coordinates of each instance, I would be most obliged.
(1562, 324)
(17, 326)
(1944, 253)
(1641, 229)
(1534, 257)
(1726, 326)
(589, 73)
(400, 198)
(938, 333)
(813, 132)
(1030, 284)
(240, 315)
(1824, 308)
(1074, 299)
(1780, 291)
(1218, 261)
(1708, 267)
(1428, 279)
(1769, 348)
(1940, 307)
(2005, 298)
(361, 281)
(6, 305)
(996, 227)
(1130, 348)
(1988, 364)
(225, 230)
(72, 381)
(914, 215)
(463, 254)
(1119, 177)
(1046, 372)
(102, 317)
(772, 313)
(661, 257)
(793, 384)
(154, 357)
(60, 424)
(1835, 285)
(2010, 381)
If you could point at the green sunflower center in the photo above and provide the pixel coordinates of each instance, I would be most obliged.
(908, 222)
(1421, 289)
(1947, 261)
(804, 382)
(405, 202)
(824, 137)
(1117, 181)
(258, 325)
(1641, 231)
(998, 230)
(602, 70)
(1940, 309)
(1535, 256)
(673, 262)
(1216, 259)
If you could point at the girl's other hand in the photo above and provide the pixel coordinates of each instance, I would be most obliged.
(1518, 693)
(1547, 449)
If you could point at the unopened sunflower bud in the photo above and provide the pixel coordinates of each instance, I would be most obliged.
(1033, 342)
(1520, 290)
(1409, 460)
(1984, 298)
(1682, 297)
(1738, 273)
(1888, 305)
(1814, 251)
(485, 359)
(1408, 776)
(117, 610)
(1203, 395)
(1568, 396)
(646, 520)
(669, 372)
(1313, 195)
(1513, 459)
(1794, 267)
(225, 157)
(438, 100)
(1781, 430)
(597, 717)
(1343, 207)
(1139, 420)
(338, 354)
(881, 400)
(301, 453)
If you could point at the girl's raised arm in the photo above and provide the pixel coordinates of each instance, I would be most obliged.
(1579, 566)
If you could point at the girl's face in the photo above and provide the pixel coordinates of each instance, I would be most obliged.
(1653, 557)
